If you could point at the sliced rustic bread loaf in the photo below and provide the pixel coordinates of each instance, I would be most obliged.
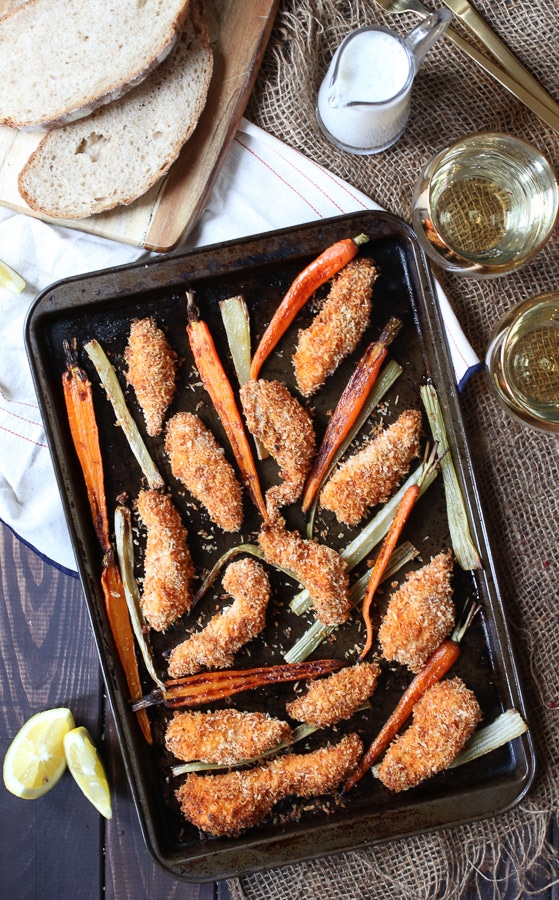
(121, 150)
(61, 61)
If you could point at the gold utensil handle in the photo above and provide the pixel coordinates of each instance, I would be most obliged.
(464, 11)
(507, 81)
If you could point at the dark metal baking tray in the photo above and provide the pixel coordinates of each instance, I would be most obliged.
(102, 305)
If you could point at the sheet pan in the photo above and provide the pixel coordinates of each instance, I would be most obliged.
(102, 305)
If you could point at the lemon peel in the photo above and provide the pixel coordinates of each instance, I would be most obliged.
(10, 279)
(87, 769)
(35, 759)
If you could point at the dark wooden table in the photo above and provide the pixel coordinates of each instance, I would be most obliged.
(58, 846)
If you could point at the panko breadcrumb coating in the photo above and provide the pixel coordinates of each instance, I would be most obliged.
(420, 614)
(199, 462)
(215, 646)
(225, 736)
(329, 700)
(320, 569)
(443, 720)
(226, 805)
(152, 369)
(168, 568)
(285, 428)
(338, 327)
(370, 476)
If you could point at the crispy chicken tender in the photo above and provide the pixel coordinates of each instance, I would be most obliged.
(225, 736)
(215, 646)
(320, 569)
(420, 614)
(338, 327)
(168, 568)
(371, 475)
(332, 699)
(228, 804)
(152, 369)
(443, 720)
(199, 462)
(285, 428)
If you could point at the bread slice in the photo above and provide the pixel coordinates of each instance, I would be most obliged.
(121, 150)
(60, 61)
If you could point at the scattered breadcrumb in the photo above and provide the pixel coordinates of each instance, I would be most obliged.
(338, 327)
(215, 646)
(226, 805)
(443, 720)
(199, 462)
(336, 697)
(225, 736)
(420, 614)
(370, 476)
(168, 568)
(285, 428)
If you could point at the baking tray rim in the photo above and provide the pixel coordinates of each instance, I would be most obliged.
(175, 863)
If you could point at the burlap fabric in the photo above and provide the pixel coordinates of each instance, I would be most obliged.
(517, 468)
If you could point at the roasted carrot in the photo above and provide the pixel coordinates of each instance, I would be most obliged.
(319, 271)
(85, 435)
(436, 666)
(207, 687)
(221, 393)
(401, 516)
(348, 408)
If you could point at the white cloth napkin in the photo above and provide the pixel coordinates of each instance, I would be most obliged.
(263, 185)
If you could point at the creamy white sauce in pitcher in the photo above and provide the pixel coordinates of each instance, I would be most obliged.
(372, 70)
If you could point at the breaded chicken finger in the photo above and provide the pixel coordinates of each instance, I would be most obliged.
(285, 428)
(168, 569)
(215, 646)
(199, 462)
(331, 699)
(320, 569)
(443, 720)
(228, 804)
(338, 327)
(225, 736)
(370, 476)
(152, 366)
(420, 614)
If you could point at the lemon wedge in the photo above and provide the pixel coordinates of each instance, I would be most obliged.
(35, 759)
(87, 769)
(9, 278)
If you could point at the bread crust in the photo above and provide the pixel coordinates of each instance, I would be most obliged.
(78, 100)
(124, 148)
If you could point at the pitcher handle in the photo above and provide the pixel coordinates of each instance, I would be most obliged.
(424, 35)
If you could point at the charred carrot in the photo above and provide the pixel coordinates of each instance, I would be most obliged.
(221, 393)
(348, 408)
(207, 687)
(85, 435)
(319, 271)
(438, 664)
(401, 516)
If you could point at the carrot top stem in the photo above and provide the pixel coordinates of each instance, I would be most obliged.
(302, 288)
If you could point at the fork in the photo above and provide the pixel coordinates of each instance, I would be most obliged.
(506, 80)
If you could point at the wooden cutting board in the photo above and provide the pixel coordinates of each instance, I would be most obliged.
(159, 220)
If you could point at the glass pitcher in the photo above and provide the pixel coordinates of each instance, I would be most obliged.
(364, 100)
